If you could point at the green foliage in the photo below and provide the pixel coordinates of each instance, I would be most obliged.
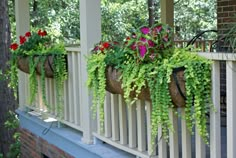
(198, 88)
(37, 48)
(12, 123)
(33, 82)
(230, 40)
(117, 23)
(142, 68)
(119, 17)
(97, 82)
(60, 75)
(194, 16)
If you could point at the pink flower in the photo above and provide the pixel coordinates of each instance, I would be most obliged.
(142, 50)
(145, 30)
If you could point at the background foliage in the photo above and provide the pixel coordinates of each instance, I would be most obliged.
(118, 17)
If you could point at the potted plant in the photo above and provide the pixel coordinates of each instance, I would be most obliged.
(147, 62)
(38, 54)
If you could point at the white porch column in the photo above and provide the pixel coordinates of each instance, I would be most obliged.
(90, 33)
(22, 26)
(167, 12)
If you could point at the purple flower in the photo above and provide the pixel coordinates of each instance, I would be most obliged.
(152, 56)
(145, 30)
(151, 43)
(158, 29)
(143, 39)
(96, 48)
(165, 38)
(133, 46)
(134, 35)
(142, 50)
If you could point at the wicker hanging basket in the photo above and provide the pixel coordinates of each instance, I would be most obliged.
(23, 65)
(176, 86)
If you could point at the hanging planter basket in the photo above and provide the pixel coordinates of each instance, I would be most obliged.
(24, 62)
(176, 86)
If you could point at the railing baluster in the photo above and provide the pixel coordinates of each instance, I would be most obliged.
(174, 143)
(66, 101)
(52, 100)
(215, 134)
(151, 149)
(141, 125)
(78, 55)
(75, 88)
(231, 108)
(132, 122)
(200, 146)
(115, 117)
(107, 113)
(186, 138)
(162, 146)
(123, 121)
(70, 87)
(40, 104)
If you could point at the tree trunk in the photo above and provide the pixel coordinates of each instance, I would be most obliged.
(151, 12)
(7, 101)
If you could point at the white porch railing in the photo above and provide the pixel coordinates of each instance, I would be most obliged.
(128, 127)
(72, 93)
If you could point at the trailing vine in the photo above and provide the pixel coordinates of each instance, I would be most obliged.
(42, 81)
(33, 82)
(37, 48)
(148, 60)
(97, 82)
(60, 75)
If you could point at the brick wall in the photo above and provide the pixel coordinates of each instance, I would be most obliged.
(226, 16)
(33, 146)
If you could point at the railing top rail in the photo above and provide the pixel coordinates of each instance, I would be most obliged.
(219, 56)
(210, 40)
(73, 48)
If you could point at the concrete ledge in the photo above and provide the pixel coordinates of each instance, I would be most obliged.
(68, 139)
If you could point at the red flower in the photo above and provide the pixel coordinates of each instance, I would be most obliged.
(106, 44)
(127, 38)
(42, 33)
(27, 34)
(101, 48)
(22, 39)
(14, 46)
(115, 43)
